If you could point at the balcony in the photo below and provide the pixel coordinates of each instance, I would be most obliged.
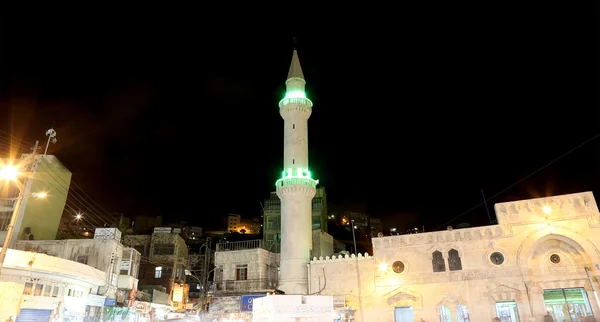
(241, 286)
(240, 245)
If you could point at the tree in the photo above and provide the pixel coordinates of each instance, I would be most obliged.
(243, 231)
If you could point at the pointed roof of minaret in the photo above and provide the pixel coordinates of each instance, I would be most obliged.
(295, 69)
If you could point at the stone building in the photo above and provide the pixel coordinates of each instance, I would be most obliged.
(39, 287)
(105, 253)
(164, 259)
(542, 257)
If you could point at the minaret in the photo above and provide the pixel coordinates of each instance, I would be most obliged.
(296, 188)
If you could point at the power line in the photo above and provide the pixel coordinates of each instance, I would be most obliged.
(521, 180)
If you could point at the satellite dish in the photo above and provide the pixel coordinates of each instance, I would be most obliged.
(380, 234)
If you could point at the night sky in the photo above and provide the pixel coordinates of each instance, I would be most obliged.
(412, 116)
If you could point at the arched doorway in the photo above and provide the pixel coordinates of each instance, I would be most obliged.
(557, 267)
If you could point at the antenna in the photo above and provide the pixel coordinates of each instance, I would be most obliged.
(486, 207)
(295, 42)
(51, 134)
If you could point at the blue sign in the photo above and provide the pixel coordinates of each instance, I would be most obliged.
(110, 302)
(246, 302)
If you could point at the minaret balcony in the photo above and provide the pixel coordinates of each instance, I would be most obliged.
(295, 100)
(296, 177)
(284, 182)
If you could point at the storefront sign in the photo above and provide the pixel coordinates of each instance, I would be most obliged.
(246, 302)
(178, 294)
(141, 307)
(110, 302)
(228, 304)
(95, 300)
(339, 302)
(125, 264)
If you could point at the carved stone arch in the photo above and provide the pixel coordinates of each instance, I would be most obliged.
(537, 237)
(452, 301)
(456, 247)
(436, 248)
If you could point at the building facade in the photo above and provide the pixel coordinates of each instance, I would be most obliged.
(541, 258)
(105, 253)
(38, 287)
(39, 218)
(164, 259)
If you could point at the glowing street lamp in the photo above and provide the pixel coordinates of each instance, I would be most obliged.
(40, 195)
(9, 172)
(383, 267)
(547, 209)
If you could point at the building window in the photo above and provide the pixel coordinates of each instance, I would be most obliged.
(164, 249)
(158, 272)
(507, 311)
(293, 126)
(83, 259)
(28, 288)
(462, 314)
(241, 272)
(454, 263)
(38, 289)
(438, 262)
(445, 314)
(398, 267)
(497, 258)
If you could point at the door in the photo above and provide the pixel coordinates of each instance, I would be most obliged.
(404, 314)
(33, 315)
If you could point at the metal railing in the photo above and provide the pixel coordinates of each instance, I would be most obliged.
(234, 286)
(240, 245)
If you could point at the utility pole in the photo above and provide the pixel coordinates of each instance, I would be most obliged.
(19, 205)
(205, 271)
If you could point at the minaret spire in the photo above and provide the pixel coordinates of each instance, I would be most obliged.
(295, 69)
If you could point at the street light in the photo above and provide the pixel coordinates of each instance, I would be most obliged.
(11, 173)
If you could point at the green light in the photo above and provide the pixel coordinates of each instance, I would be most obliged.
(300, 173)
(295, 94)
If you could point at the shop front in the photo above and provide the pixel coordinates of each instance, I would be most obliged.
(568, 304)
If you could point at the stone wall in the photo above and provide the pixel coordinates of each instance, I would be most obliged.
(257, 260)
(513, 261)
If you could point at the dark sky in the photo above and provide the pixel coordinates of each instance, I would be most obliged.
(413, 114)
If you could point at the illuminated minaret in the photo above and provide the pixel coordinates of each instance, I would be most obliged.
(296, 188)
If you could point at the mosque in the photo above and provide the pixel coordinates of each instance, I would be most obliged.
(541, 258)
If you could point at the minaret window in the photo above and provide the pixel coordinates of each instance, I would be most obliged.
(293, 161)
(293, 126)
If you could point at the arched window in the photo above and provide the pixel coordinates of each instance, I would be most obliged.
(454, 263)
(462, 315)
(445, 315)
(439, 265)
